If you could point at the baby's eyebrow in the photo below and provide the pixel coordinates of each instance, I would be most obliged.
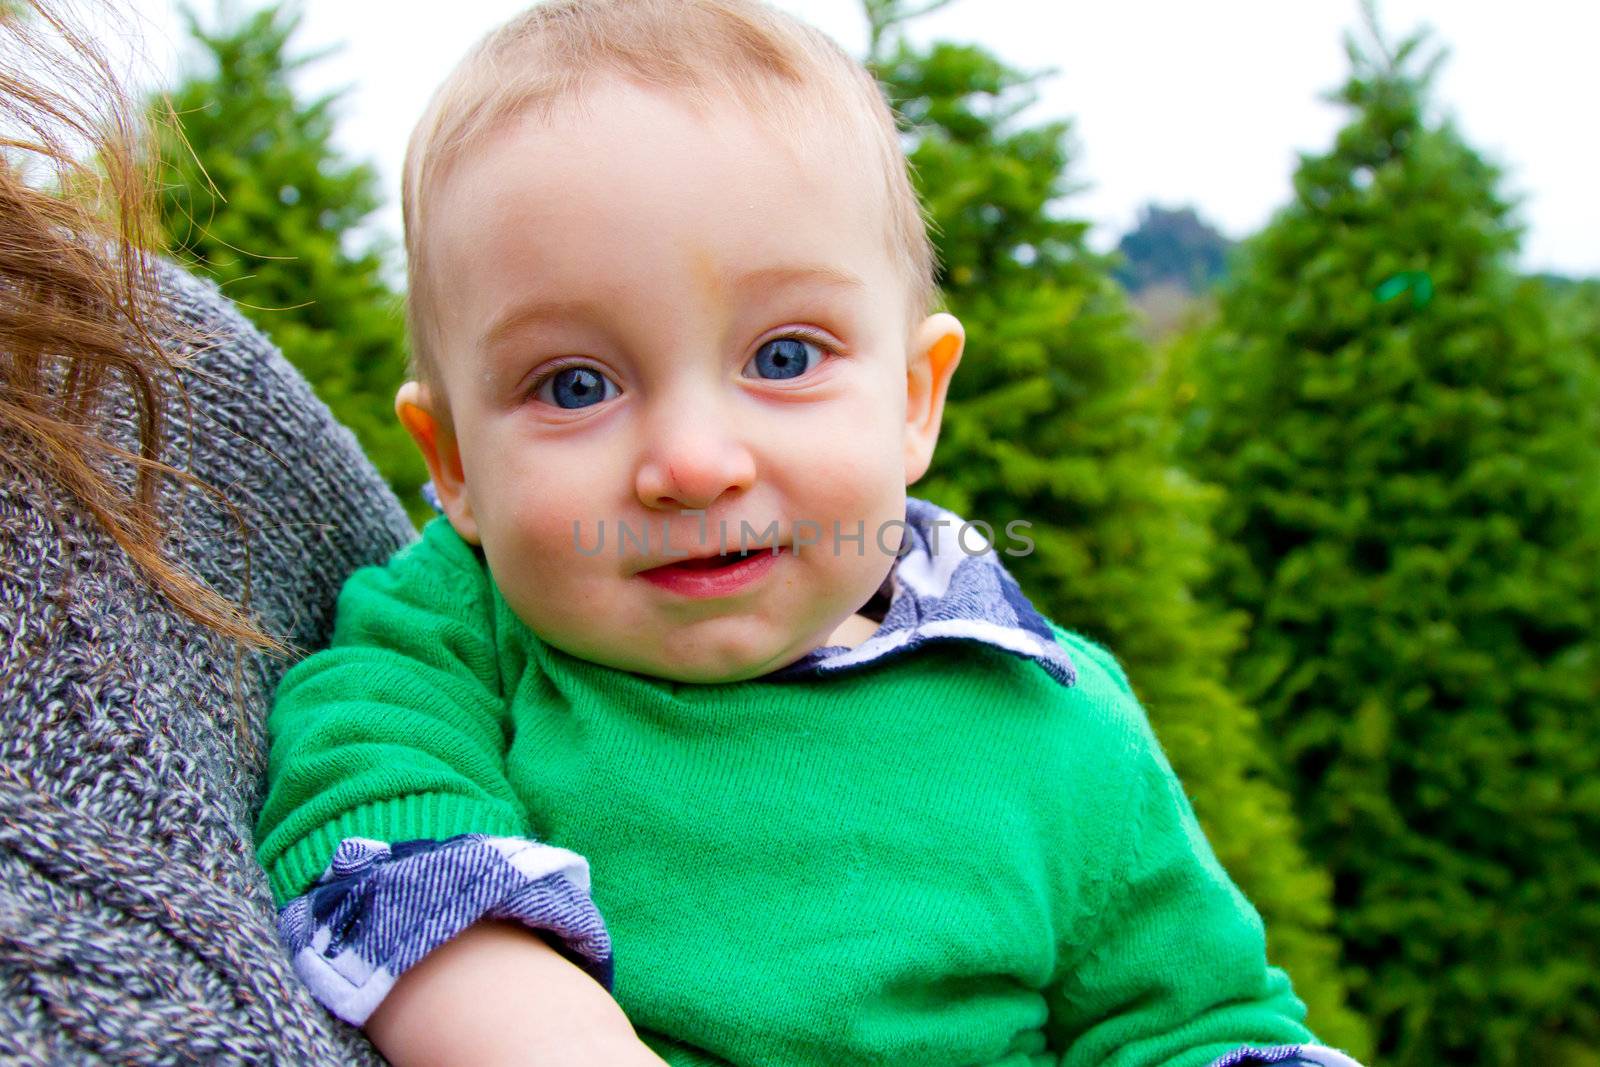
(792, 275)
(533, 312)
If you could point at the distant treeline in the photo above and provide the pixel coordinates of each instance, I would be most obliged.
(1175, 246)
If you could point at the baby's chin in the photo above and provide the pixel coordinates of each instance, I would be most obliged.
(701, 665)
(712, 671)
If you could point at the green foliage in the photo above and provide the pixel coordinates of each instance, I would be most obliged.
(1172, 245)
(257, 197)
(1578, 301)
(1412, 471)
(1056, 417)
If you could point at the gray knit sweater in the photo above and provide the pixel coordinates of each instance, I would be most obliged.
(135, 925)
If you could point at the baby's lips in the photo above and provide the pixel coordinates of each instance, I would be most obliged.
(690, 548)
(708, 563)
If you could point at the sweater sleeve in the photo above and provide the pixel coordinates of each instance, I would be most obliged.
(397, 731)
(1173, 968)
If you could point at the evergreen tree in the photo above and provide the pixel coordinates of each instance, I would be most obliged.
(1408, 440)
(1579, 302)
(1055, 417)
(258, 198)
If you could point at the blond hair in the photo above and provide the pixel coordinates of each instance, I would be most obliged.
(782, 70)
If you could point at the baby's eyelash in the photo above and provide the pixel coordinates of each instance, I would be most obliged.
(802, 334)
(555, 367)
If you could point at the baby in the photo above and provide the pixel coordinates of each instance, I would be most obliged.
(847, 797)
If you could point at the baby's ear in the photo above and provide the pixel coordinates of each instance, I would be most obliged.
(424, 420)
(935, 350)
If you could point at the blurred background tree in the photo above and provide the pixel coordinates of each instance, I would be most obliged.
(1578, 303)
(1057, 416)
(1171, 246)
(1170, 263)
(1407, 433)
(258, 198)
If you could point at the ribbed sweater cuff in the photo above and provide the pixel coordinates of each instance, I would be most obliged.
(420, 816)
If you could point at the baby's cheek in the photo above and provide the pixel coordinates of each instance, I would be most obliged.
(544, 522)
(571, 600)
(584, 611)
(867, 434)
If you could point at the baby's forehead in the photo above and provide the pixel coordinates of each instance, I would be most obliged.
(623, 164)
(808, 128)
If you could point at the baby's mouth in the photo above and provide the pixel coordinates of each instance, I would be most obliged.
(714, 576)
(711, 563)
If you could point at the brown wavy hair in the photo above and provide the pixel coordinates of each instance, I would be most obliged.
(79, 303)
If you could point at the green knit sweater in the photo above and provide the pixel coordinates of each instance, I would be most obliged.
(944, 859)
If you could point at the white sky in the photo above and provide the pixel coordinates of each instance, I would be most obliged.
(1172, 100)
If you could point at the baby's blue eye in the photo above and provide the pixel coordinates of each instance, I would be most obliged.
(575, 387)
(785, 357)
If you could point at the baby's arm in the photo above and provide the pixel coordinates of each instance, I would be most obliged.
(497, 994)
(396, 734)
(1173, 970)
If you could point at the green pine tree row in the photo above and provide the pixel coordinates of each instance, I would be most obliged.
(1342, 532)
(1408, 437)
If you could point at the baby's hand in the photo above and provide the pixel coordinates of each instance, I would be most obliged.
(499, 996)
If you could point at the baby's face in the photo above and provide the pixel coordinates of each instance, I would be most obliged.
(644, 310)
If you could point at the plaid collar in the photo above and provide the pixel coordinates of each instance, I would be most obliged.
(936, 591)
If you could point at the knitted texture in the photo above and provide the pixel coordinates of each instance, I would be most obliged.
(135, 925)
(947, 858)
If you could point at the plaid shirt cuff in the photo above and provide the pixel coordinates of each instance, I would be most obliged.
(379, 908)
(1286, 1056)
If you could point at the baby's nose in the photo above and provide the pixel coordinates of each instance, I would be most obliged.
(692, 466)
